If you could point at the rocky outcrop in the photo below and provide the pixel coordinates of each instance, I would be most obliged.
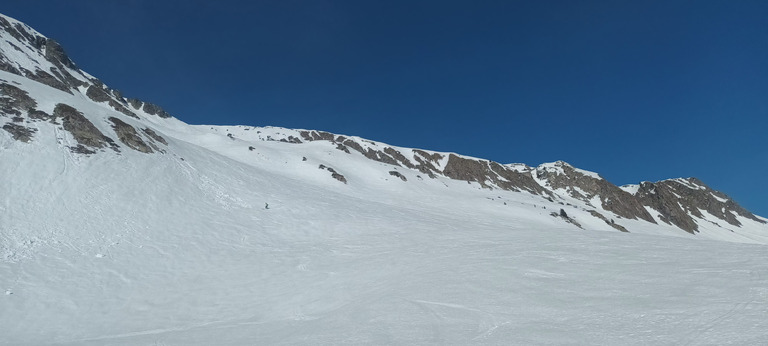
(678, 201)
(398, 174)
(58, 76)
(98, 94)
(55, 53)
(610, 222)
(152, 134)
(46, 78)
(153, 109)
(19, 133)
(128, 135)
(84, 132)
(49, 64)
(334, 174)
(41, 115)
(490, 174)
(148, 108)
(561, 175)
(14, 101)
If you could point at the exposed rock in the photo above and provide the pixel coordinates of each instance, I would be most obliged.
(152, 134)
(612, 198)
(379, 156)
(566, 218)
(334, 174)
(40, 115)
(510, 179)
(118, 95)
(135, 103)
(7, 67)
(679, 200)
(13, 98)
(19, 133)
(57, 77)
(354, 145)
(80, 149)
(425, 167)
(97, 94)
(47, 79)
(399, 157)
(154, 109)
(596, 214)
(489, 174)
(82, 129)
(128, 135)
(54, 53)
(433, 158)
(459, 168)
(317, 136)
(305, 135)
(294, 140)
(397, 174)
(17, 31)
(342, 148)
(339, 177)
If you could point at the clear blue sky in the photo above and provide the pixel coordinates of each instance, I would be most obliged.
(635, 90)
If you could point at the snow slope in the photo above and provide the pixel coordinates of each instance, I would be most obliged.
(178, 247)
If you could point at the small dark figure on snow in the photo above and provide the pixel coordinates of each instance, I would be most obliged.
(266, 205)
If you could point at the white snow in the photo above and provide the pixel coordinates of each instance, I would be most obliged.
(631, 188)
(588, 173)
(722, 200)
(179, 249)
(518, 167)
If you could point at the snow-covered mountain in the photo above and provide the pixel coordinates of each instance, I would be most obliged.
(120, 224)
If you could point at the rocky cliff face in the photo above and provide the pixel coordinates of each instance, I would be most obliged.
(592, 188)
(681, 201)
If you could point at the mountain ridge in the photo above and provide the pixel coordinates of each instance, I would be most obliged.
(29, 54)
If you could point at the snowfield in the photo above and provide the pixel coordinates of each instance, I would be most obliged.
(179, 248)
(136, 249)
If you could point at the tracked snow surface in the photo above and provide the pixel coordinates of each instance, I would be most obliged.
(149, 231)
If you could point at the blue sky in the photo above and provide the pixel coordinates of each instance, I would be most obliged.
(635, 90)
